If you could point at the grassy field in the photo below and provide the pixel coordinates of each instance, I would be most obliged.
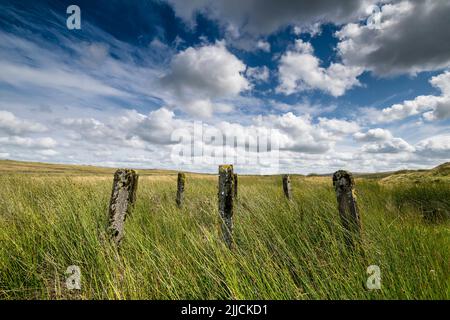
(52, 217)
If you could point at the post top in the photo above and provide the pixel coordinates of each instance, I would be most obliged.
(120, 170)
(225, 167)
(343, 175)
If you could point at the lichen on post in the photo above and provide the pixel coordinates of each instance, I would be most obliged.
(287, 186)
(180, 188)
(226, 202)
(134, 189)
(235, 176)
(343, 183)
(123, 197)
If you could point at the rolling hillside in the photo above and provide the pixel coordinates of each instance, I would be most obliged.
(440, 173)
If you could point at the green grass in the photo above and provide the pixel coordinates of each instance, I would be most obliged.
(431, 199)
(284, 250)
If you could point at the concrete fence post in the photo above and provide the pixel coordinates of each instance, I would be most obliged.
(343, 183)
(180, 188)
(123, 197)
(226, 202)
(287, 186)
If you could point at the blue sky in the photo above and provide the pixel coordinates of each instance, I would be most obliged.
(334, 89)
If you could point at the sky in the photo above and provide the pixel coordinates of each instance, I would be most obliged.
(187, 85)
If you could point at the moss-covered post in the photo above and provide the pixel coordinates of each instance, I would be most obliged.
(235, 176)
(226, 202)
(348, 209)
(123, 197)
(180, 188)
(287, 186)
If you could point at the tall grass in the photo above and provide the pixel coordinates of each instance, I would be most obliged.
(284, 250)
(431, 199)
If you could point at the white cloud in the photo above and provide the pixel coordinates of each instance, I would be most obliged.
(200, 75)
(382, 141)
(371, 135)
(48, 152)
(205, 107)
(436, 147)
(82, 125)
(314, 29)
(39, 143)
(306, 144)
(300, 70)
(339, 126)
(442, 82)
(298, 133)
(158, 126)
(393, 145)
(87, 128)
(10, 124)
(263, 45)
(412, 37)
(255, 17)
(132, 129)
(430, 106)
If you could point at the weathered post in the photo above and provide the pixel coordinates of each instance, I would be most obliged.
(348, 209)
(180, 188)
(134, 189)
(235, 176)
(123, 197)
(287, 186)
(226, 202)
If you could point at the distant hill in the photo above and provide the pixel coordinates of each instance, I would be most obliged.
(440, 173)
(11, 166)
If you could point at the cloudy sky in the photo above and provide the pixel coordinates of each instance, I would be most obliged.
(360, 85)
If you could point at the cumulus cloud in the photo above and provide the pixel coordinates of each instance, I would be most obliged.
(300, 70)
(255, 17)
(305, 143)
(87, 84)
(39, 143)
(158, 126)
(430, 106)
(382, 141)
(263, 45)
(198, 76)
(87, 128)
(294, 133)
(394, 145)
(436, 147)
(339, 126)
(10, 124)
(299, 133)
(132, 129)
(412, 37)
(371, 135)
